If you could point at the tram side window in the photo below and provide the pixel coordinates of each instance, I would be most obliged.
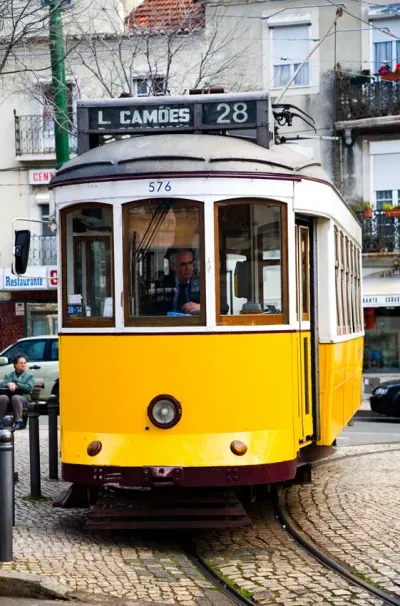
(163, 261)
(251, 262)
(87, 254)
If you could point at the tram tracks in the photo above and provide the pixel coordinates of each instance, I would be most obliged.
(293, 528)
(216, 579)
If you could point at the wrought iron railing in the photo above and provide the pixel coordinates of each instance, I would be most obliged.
(380, 233)
(43, 250)
(35, 135)
(366, 100)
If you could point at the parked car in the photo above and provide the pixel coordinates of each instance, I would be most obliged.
(385, 398)
(42, 355)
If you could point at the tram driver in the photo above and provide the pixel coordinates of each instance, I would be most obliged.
(181, 283)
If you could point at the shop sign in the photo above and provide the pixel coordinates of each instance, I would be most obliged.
(381, 301)
(41, 177)
(19, 309)
(35, 278)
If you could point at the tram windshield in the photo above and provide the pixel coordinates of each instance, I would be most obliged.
(251, 260)
(87, 245)
(163, 253)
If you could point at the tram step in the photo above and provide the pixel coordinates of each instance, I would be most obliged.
(130, 509)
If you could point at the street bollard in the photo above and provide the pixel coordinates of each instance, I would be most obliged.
(34, 450)
(6, 496)
(8, 424)
(52, 411)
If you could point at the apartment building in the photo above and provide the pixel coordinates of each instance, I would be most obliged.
(349, 86)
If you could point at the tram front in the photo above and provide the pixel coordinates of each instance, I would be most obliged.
(178, 347)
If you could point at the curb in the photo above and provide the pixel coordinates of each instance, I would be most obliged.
(26, 585)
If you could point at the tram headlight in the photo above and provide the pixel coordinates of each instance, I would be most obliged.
(164, 411)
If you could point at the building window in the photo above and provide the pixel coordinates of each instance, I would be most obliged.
(383, 197)
(149, 87)
(386, 49)
(290, 46)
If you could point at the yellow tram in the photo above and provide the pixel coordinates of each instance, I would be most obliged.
(211, 329)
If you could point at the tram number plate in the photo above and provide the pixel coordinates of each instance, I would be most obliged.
(236, 114)
(74, 310)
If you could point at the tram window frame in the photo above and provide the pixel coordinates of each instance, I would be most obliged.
(254, 319)
(338, 280)
(345, 317)
(85, 321)
(164, 321)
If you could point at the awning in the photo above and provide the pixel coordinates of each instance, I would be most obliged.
(381, 292)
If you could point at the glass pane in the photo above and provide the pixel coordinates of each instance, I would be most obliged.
(33, 350)
(281, 75)
(383, 197)
(89, 263)
(383, 55)
(250, 259)
(303, 77)
(39, 327)
(164, 258)
(381, 349)
(141, 88)
(54, 350)
(304, 271)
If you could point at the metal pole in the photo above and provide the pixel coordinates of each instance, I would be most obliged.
(52, 411)
(6, 496)
(8, 424)
(34, 450)
(59, 86)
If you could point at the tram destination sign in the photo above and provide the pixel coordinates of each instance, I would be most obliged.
(187, 113)
(143, 117)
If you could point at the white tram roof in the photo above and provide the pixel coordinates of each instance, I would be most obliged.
(185, 153)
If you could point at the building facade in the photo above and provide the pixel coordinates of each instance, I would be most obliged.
(343, 75)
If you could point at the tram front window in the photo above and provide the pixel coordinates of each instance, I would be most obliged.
(251, 262)
(163, 259)
(87, 252)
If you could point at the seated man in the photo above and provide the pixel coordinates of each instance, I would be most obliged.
(187, 288)
(179, 291)
(19, 384)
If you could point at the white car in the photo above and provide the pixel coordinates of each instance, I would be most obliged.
(42, 356)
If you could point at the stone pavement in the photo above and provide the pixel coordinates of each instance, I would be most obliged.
(134, 566)
(351, 510)
(263, 561)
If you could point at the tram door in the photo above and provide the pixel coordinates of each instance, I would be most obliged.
(303, 312)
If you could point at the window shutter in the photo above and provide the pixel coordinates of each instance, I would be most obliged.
(392, 24)
(386, 171)
(290, 44)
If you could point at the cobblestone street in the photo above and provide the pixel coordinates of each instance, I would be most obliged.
(263, 561)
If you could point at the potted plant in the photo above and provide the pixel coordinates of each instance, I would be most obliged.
(363, 208)
(394, 211)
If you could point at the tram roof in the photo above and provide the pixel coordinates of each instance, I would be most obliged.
(185, 153)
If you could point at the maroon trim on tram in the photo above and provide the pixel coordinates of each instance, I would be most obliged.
(246, 475)
(190, 175)
(180, 334)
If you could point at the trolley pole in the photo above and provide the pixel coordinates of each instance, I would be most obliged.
(59, 86)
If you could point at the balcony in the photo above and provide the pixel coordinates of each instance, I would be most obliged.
(35, 138)
(367, 105)
(43, 250)
(380, 233)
